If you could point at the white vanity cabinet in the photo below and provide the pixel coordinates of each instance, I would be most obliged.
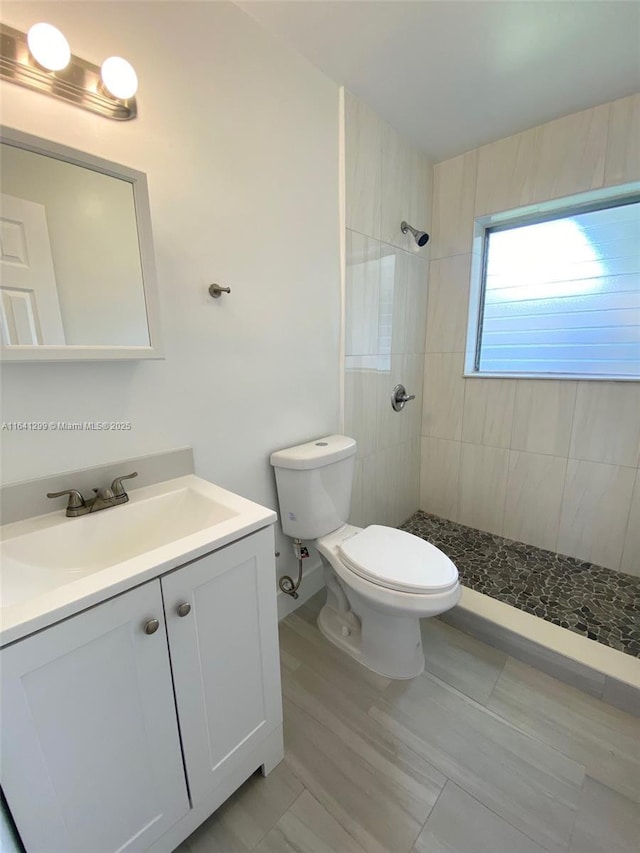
(224, 653)
(90, 747)
(95, 757)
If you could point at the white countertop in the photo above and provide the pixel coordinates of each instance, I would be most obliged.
(22, 613)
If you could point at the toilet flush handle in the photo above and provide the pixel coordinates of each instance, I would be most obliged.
(399, 398)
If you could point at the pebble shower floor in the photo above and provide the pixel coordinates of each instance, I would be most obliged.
(598, 603)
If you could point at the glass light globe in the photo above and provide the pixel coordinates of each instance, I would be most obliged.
(119, 78)
(48, 46)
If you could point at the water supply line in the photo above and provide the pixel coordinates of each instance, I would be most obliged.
(286, 583)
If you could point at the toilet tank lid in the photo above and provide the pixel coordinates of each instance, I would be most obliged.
(315, 454)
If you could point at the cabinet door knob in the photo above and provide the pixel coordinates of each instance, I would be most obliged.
(151, 626)
(184, 609)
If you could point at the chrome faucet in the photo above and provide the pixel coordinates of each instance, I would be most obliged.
(105, 498)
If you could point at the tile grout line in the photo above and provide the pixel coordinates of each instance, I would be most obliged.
(498, 677)
(495, 715)
(509, 452)
(459, 485)
(500, 817)
(636, 485)
(338, 822)
(324, 805)
(575, 817)
(306, 790)
(566, 470)
(431, 810)
(563, 751)
(276, 824)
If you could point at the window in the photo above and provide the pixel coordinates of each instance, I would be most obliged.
(557, 293)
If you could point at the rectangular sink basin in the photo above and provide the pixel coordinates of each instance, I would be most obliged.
(49, 561)
(52, 556)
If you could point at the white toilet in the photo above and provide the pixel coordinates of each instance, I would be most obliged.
(380, 581)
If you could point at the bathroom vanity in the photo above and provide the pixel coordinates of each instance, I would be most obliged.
(137, 695)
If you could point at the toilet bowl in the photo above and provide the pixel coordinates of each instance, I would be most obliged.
(380, 581)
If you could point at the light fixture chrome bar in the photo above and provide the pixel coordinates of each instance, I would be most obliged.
(79, 83)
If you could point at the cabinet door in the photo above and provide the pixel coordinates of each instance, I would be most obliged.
(224, 655)
(90, 748)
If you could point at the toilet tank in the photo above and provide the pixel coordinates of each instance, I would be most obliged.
(314, 485)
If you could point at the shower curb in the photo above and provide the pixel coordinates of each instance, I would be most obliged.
(603, 672)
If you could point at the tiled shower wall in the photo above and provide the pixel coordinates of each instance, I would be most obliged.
(385, 317)
(552, 463)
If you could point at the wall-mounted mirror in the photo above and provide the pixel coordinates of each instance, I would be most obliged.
(77, 269)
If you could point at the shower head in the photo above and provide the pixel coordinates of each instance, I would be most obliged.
(421, 237)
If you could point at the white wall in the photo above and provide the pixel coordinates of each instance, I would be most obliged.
(553, 463)
(239, 140)
(94, 246)
(387, 181)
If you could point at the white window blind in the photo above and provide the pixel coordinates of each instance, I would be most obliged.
(562, 296)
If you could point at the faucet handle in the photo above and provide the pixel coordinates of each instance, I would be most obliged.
(117, 488)
(75, 498)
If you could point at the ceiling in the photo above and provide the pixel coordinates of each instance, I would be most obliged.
(452, 75)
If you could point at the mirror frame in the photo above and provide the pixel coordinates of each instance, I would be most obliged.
(138, 181)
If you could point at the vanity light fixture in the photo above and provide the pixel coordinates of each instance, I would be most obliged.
(42, 60)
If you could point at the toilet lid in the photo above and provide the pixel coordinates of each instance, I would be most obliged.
(398, 560)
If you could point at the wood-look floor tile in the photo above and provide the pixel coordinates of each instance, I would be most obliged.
(602, 738)
(530, 785)
(606, 822)
(308, 828)
(372, 778)
(212, 837)
(249, 814)
(318, 697)
(378, 789)
(461, 824)
(312, 606)
(287, 660)
(462, 661)
(303, 641)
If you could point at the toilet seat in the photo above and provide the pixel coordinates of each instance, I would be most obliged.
(398, 560)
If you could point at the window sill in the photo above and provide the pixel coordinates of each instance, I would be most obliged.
(575, 376)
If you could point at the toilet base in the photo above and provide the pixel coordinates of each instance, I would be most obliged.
(386, 642)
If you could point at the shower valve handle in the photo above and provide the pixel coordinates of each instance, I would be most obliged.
(399, 398)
